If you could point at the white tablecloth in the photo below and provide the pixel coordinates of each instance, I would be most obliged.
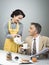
(3, 60)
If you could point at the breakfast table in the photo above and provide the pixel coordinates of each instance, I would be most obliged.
(4, 61)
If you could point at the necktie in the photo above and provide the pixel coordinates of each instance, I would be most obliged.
(34, 47)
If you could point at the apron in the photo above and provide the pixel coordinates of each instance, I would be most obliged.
(10, 45)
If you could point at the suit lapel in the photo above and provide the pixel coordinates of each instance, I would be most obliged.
(30, 44)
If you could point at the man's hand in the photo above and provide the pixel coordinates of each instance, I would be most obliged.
(21, 49)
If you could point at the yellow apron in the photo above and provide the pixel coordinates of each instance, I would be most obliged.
(9, 43)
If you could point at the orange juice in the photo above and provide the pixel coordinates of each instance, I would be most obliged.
(34, 59)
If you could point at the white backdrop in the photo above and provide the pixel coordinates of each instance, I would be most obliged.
(35, 10)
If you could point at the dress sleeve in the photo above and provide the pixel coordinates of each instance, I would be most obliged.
(7, 34)
(20, 29)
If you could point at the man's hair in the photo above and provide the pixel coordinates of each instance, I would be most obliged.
(17, 12)
(38, 27)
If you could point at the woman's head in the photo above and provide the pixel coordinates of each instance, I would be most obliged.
(17, 15)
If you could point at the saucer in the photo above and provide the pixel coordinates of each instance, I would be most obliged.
(25, 48)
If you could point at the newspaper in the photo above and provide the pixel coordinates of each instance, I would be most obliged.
(41, 52)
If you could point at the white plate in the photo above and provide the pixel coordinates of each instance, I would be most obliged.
(26, 48)
(30, 62)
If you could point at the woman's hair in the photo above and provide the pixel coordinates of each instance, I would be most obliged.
(17, 12)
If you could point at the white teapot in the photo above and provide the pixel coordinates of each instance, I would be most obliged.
(17, 40)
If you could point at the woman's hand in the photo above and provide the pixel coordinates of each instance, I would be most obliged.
(13, 35)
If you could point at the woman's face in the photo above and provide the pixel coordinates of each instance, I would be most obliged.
(17, 18)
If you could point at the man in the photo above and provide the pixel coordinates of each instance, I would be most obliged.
(35, 41)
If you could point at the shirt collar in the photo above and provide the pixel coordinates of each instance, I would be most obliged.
(36, 37)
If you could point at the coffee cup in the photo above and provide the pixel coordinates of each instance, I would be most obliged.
(25, 45)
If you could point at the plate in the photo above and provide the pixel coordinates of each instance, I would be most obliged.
(25, 48)
(26, 62)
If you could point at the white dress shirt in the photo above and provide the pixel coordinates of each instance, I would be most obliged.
(37, 44)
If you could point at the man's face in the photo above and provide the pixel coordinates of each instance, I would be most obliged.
(32, 30)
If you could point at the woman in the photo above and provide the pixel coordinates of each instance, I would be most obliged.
(13, 28)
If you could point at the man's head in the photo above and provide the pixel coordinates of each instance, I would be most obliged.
(35, 28)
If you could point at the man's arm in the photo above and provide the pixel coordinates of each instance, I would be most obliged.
(47, 44)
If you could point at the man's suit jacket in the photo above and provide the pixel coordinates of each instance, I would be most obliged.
(43, 43)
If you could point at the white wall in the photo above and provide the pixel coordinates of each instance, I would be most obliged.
(35, 10)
